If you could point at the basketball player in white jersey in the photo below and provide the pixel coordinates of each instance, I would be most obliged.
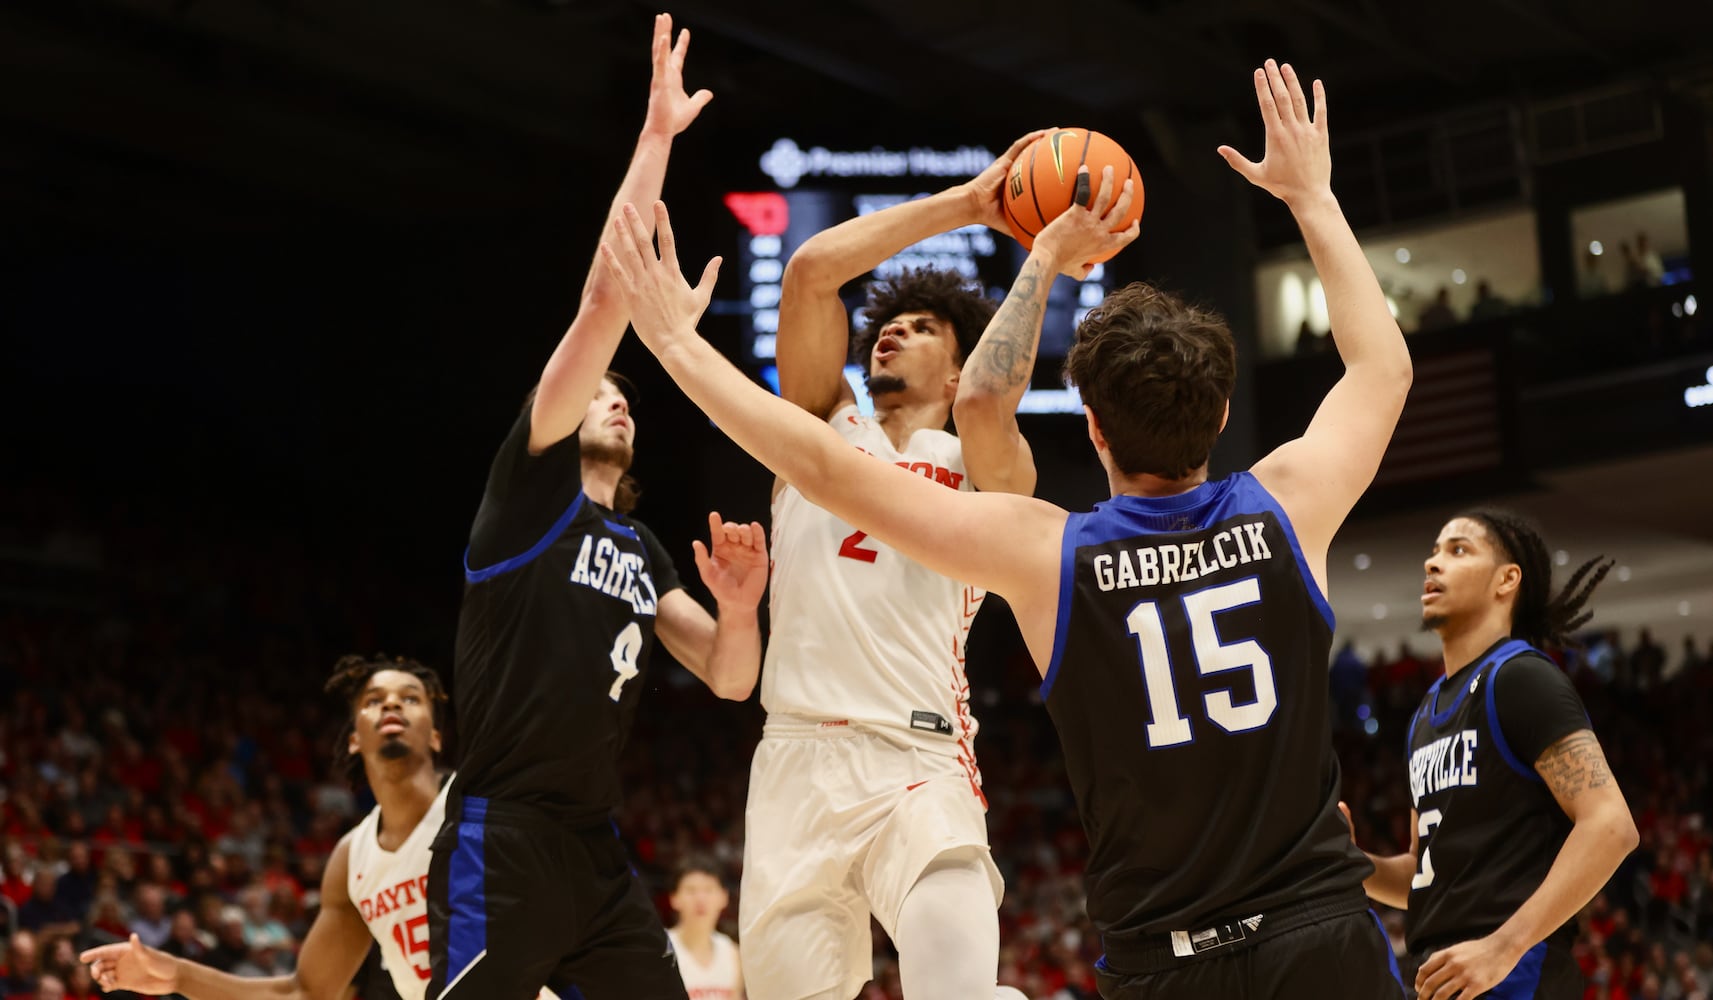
(864, 794)
(707, 959)
(374, 888)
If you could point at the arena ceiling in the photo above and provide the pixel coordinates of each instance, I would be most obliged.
(386, 105)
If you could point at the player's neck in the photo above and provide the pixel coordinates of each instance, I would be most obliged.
(601, 481)
(1463, 642)
(699, 941)
(1146, 485)
(901, 416)
(404, 798)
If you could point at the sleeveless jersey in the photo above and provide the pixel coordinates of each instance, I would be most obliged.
(554, 635)
(1488, 827)
(859, 631)
(1188, 684)
(718, 980)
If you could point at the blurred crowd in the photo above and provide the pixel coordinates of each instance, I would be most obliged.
(167, 769)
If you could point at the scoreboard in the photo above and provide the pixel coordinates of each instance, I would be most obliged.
(807, 190)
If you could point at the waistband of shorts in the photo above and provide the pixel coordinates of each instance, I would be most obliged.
(1159, 952)
(781, 726)
(528, 815)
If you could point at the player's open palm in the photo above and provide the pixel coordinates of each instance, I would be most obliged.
(670, 109)
(987, 187)
(1079, 236)
(1464, 970)
(663, 306)
(131, 965)
(734, 562)
(1297, 162)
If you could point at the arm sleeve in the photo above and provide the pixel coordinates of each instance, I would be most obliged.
(662, 570)
(525, 495)
(1538, 706)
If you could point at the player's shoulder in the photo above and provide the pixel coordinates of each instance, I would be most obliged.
(1528, 670)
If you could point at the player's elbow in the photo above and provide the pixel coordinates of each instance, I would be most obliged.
(1624, 834)
(812, 267)
(738, 689)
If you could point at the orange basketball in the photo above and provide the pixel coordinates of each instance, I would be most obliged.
(1043, 180)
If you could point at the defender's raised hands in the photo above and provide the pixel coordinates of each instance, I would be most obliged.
(670, 109)
(1297, 163)
(662, 304)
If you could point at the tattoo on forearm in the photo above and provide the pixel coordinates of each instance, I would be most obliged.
(1574, 765)
(1005, 356)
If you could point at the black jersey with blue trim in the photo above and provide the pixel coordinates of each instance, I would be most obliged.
(1189, 688)
(1488, 827)
(554, 635)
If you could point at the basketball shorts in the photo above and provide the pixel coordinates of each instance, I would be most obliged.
(1303, 951)
(517, 901)
(841, 822)
(1546, 972)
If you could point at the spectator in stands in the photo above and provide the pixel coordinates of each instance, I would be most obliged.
(76, 885)
(22, 970)
(1487, 305)
(151, 924)
(1438, 314)
(45, 914)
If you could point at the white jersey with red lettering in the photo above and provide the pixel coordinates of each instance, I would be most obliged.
(717, 980)
(390, 890)
(860, 633)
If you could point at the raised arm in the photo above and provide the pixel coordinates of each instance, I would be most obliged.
(573, 373)
(1601, 835)
(724, 652)
(1319, 477)
(950, 532)
(332, 954)
(814, 330)
(996, 373)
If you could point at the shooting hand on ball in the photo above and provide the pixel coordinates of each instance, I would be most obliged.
(1079, 236)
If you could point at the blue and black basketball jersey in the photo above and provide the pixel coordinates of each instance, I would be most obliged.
(1189, 688)
(554, 635)
(1488, 827)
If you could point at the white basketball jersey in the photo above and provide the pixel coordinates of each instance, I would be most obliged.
(860, 633)
(718, 980)
(389, 888)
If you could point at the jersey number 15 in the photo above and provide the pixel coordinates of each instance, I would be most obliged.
(1168, 726)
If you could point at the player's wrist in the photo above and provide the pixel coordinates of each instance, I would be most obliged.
(1312, 201)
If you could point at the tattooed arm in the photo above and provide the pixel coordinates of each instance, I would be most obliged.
(1575, 770)
(997, 372)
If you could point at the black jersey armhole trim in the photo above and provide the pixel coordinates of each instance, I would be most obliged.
(1495, 727)
(507, 565)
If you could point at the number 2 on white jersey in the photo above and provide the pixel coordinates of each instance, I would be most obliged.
(625, 648)
(1167, 725)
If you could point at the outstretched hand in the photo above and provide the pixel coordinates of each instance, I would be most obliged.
(663, 306)
(670, 109)
(734, 563)
(1297, 163)
(1078, 237)
(986, 189)
(133, 966)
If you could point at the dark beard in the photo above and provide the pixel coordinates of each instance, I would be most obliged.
(394, 749)
(600, 453)
(1433, 623)
(878, 384)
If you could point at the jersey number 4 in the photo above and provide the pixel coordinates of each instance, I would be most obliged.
(625, 648)
(1169, 727)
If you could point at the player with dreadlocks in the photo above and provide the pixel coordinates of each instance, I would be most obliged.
(373, 890)
(1517, 821)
